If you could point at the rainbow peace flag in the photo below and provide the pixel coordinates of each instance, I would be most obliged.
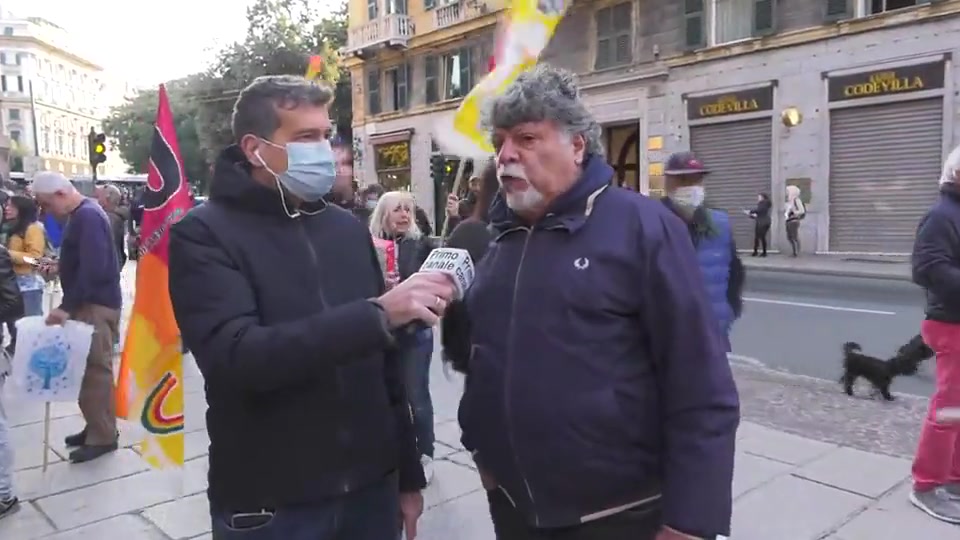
(150, 384)
(530, 24)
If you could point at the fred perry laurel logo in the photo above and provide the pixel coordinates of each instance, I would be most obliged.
(582, 263)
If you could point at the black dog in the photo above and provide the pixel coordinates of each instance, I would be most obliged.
(911, 355)
(879, 372)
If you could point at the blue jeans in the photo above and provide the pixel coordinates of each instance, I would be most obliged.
(370, 514)
(6, 451)
(32, 305)
(416, 378)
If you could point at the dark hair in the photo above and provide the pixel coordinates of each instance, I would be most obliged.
(373, 189)
(255, 112)
(765, 196)
(26, 214)
(488, 190)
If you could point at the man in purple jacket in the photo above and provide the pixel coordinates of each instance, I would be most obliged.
(90, 277)
(599, 403)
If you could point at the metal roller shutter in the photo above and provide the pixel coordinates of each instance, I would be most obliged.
(738, 155)
(885, 161)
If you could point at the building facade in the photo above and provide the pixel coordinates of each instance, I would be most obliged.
(50, 96)
(854, 101)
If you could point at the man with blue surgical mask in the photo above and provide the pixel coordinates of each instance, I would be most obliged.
(711, 234)
(280, 297)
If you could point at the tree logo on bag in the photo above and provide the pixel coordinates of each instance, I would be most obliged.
(48, 364)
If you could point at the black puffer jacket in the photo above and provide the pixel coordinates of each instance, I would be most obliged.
(11, 302)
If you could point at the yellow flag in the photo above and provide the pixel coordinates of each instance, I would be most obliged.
(529, 27)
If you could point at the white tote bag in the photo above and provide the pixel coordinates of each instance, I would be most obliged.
(49, 361)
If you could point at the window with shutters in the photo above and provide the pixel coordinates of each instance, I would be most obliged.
(614, 26)
(872, 7)
(398, 84)
(709, 23)
(374, 105)
(457, 73)
(431, 78)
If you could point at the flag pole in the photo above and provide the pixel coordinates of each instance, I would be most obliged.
(46, 406)
(457, 183)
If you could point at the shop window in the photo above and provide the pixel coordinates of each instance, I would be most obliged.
(614, 27)
(392, 161)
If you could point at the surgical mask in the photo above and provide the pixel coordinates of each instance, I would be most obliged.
(689, 196)
(371, 204)
(311, 169)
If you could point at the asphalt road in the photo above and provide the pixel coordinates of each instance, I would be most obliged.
(797, 323)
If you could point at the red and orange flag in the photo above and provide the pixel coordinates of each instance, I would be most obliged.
(150, 384)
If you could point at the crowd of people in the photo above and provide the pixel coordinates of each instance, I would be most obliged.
(598, 399)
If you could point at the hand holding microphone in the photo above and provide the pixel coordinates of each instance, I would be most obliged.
(423, 297)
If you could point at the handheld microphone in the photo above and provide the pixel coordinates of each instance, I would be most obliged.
(453, 262)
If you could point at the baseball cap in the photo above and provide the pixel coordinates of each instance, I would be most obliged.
(684, 163)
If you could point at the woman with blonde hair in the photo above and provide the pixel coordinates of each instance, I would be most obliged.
(394, 220)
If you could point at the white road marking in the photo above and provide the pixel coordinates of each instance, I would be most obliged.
(750, 361)
(818, 306)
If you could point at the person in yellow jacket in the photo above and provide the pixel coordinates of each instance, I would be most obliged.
(26, 242)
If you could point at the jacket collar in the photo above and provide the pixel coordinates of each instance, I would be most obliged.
(569, 211)
(700, 225)
(951, 191)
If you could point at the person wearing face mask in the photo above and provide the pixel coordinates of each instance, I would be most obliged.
(281, 299)
(712, 236)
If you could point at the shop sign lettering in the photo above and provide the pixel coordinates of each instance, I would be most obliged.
(743, 102)
(887, 82)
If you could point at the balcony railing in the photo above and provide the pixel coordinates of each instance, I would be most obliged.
(389, 30)
(457, 12)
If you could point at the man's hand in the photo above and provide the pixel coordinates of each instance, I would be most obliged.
(48, 268)
(666, 533)
(453, 206)
(57, 316)
(411, 507)
(423, 296)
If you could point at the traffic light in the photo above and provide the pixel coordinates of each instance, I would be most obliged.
(438, 167)
(98, 148)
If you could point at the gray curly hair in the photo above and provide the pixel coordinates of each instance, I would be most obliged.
(545, 93)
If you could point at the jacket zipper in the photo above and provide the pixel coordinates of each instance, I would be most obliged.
(509, 372)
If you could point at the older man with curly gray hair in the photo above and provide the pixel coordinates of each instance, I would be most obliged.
(599, 402)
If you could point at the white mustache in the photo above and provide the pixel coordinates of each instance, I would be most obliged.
(511, 169)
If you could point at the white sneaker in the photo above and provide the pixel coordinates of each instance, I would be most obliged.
(427, 463)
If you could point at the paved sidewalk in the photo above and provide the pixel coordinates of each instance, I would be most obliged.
(787, 487)
(865, 266)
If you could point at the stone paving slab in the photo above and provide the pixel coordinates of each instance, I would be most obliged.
(894, 518)
(811, 463)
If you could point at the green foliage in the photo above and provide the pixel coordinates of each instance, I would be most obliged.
(131, 125)
(281, 37)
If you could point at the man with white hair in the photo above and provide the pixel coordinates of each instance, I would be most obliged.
(600, 403)
(90, 277)
(936, 268)
(109, 198)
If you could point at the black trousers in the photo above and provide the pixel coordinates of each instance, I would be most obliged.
(760, 233)
(640, 523)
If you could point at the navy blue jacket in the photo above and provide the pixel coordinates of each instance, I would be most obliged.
(936, 256)
(304, 386)
(89, 270)
(598, 374)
